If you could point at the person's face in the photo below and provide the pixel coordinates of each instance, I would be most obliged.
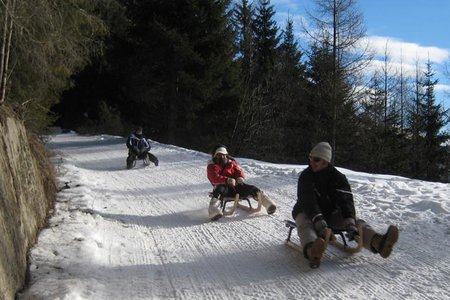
(317, 164)
(222, 158)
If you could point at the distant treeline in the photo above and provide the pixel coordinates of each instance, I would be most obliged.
(200, 72)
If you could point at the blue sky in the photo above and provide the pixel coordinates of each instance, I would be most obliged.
(422, 22)
(413, 30)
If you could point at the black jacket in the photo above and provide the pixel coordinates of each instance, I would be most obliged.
(323, 192)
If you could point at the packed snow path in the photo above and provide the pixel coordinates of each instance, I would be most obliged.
(144, 233)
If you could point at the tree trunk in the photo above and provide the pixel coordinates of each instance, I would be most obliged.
(6, 47)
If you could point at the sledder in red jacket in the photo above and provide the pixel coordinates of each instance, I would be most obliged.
(220, 171)
(228, 179)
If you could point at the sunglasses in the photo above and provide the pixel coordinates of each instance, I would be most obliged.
(315, 159)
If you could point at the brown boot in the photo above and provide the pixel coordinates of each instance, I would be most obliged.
(383, 244)
(314, 252)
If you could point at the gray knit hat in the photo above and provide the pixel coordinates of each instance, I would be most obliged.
(322, 150)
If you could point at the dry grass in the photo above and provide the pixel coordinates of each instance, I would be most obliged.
(47, 170)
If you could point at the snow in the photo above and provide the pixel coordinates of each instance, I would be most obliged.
(144, 233)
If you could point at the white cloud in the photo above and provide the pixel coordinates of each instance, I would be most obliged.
(407, 57)
(442, 87)
(408, 53)
(286, 4)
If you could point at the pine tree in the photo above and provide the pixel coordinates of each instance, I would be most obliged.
(243, 15)
(433, 119)
(331, 105)
(290, 108)
(266, 41)
(181, 68)
(338, 32)
(370, 154)
(252, 134)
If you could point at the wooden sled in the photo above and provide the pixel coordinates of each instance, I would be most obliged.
(237, 203)
(331, 239)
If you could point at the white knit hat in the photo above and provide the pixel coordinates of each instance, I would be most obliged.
(322, 150)
(221, 150)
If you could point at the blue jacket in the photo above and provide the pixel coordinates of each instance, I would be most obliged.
(138, 141)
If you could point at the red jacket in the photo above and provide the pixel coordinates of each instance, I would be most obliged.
(219, 173)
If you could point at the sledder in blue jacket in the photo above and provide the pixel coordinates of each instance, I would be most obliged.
(138, 143)
(139, 148)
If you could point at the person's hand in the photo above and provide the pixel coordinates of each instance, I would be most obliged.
(231, 181)
(350, 227)
(320, 225)
(240, 180)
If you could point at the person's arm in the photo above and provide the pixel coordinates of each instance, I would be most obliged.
(344, 196)
(237, 171)
(146, 143)
(132, 140)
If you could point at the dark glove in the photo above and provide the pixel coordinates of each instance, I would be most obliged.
(320, 225)
(350, 227)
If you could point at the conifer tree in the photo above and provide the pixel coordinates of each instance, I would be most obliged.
(266, 41)
(256, 111)
(433, 118)
(372, 125)
(337, 31)
(243, 15)
(181, 71)
(289, 101)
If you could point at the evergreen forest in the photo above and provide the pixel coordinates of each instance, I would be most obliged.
(196, 73)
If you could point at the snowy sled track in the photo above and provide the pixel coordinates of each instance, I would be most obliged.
(144, 234)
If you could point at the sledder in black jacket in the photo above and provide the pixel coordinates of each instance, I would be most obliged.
(324, 202)
(324, 192)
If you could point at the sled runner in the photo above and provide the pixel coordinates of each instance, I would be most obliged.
(236, 202)
(331, 239)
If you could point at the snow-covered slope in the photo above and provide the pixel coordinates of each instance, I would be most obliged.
(144, 234)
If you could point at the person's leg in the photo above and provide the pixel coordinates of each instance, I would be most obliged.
(305, 229)
(379, 243)
(153, 158)
(131, 158)
(214, 209)
(223, 190)
(247, 190)
(313, 246)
